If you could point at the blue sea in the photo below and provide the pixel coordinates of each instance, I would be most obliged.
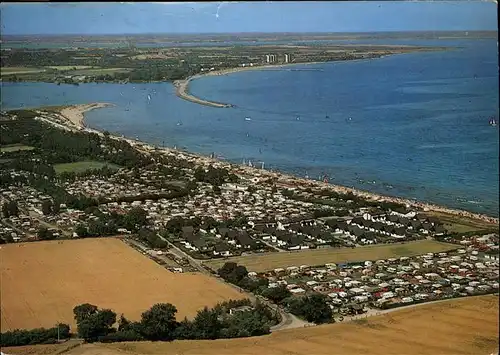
(411, 125)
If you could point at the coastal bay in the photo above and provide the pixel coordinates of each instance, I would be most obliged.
(426, 138)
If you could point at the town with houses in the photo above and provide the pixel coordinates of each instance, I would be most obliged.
(255, 212)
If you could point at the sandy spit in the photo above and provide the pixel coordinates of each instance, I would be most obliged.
(76, 113)
(182, 86)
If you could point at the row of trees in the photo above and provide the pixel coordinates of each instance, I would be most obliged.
(214, 176)
(313, 308)
(108, 224)
(57, 146)
(10, 208)
(174, 226)
(20, 337)
(159, 323)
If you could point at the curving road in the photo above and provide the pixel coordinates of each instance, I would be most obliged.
(288, 320)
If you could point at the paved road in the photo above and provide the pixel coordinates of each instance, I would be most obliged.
(35, 215)
(20, 231)
(288, 321)
(272, 246)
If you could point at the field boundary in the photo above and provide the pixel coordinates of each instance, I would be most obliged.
(318, 257)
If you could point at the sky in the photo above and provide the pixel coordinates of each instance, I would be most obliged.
(268, 16)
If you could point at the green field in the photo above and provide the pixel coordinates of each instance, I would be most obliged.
(461, 224)
(99, 71)
(15, 148)
(20, 70)
(270, 261)
(69, 67)
(81, 166)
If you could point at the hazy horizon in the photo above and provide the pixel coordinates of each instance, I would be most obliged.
(246, 17)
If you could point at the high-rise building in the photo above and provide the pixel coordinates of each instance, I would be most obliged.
(270, 58)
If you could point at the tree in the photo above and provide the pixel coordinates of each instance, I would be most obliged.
(56, 207)
(233, 272)
(135, 218)
(123, 323)
(44, 234)
(47, 207)
(206, 324)
(175, 225)
(96, 325)
(227, 269)
(106, 317)
(10, 208)
(313, 308)
(81, 231)
(184, 330)
(158, 323)
(246, 324)
(84, 311)
(277, 294)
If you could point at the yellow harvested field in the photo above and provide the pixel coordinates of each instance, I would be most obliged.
(43, 281)
(456, 327)
(271, 261)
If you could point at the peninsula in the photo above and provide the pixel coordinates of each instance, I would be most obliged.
(180, 65)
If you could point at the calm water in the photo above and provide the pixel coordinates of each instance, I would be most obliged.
(418, 124)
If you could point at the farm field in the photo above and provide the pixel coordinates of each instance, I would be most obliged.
(43, 281)
(20, 70)
(461, 224)
(99, 71)
(454, 327)
(15, 148)
(266, 262)
(81, 166)
(69, 67)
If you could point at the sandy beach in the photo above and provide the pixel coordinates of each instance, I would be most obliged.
(75, 115)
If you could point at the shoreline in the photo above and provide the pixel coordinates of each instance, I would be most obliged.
(182, 85)
(75, 114)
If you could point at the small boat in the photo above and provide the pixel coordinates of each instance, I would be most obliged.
(149, 97)
(493, 122)
(298, 118)
(327, 116)
(179, 123)
(127, 109)
(248, 119)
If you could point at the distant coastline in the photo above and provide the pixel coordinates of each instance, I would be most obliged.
(182, 86)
